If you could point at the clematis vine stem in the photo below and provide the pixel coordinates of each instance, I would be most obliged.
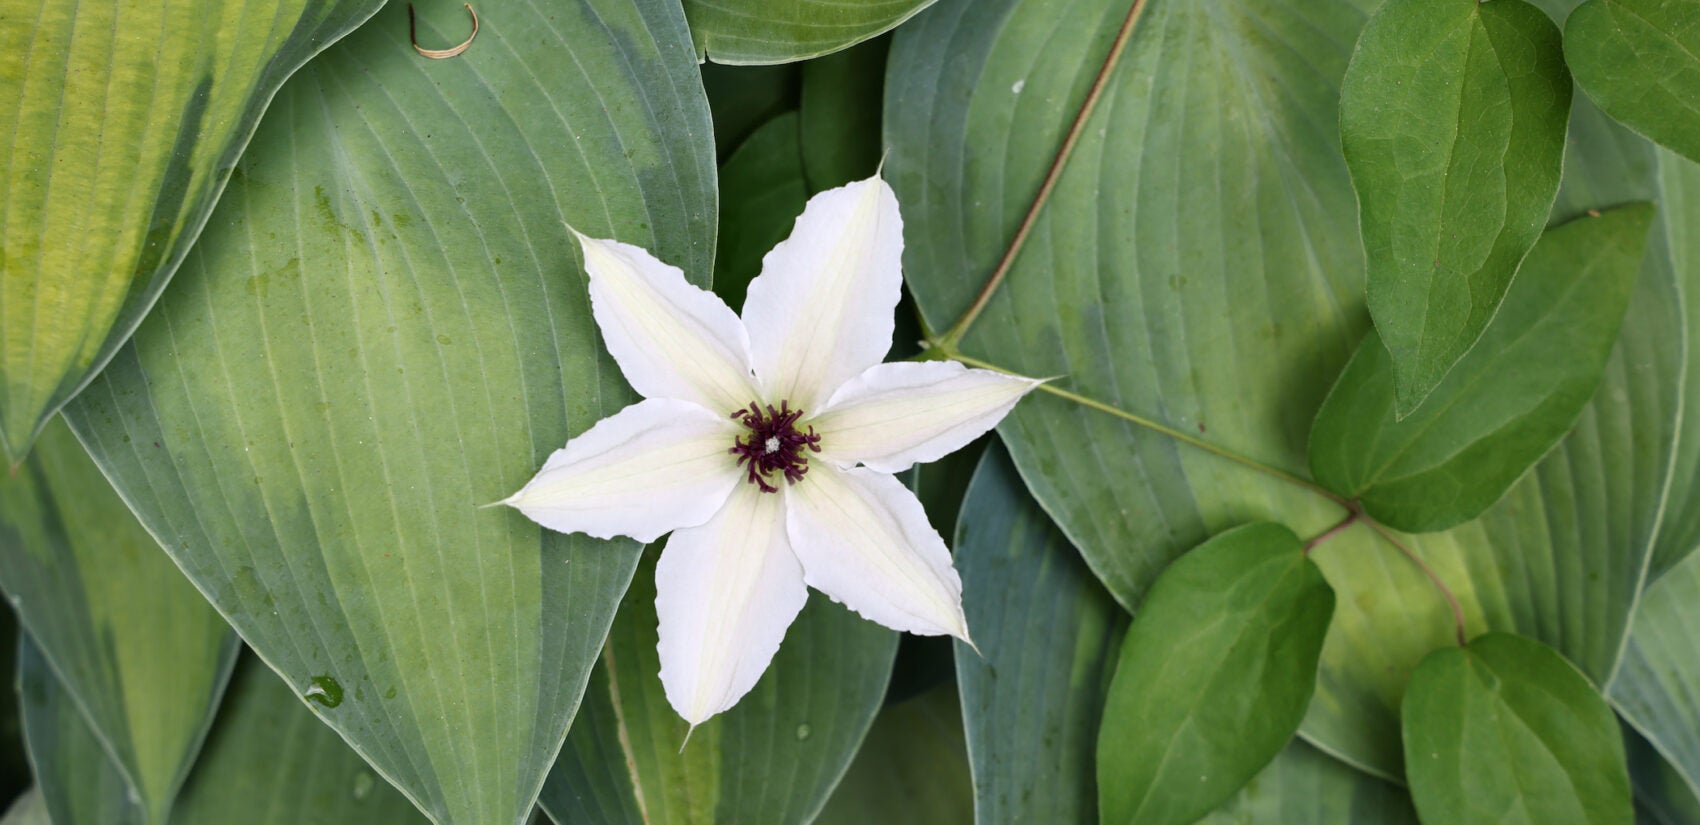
(1451, 600)
(1164, 429)
(954, 335)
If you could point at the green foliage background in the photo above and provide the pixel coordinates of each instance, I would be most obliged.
(1363, 492)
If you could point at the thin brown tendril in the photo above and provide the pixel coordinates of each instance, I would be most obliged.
(1351, 517)
(958, 329)
(440, 54)
(1451, 600)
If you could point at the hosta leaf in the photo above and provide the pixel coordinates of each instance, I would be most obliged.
(1640, 61)
(269, 761)
(774, 757)
(841, 114)
(1452, 117)
(78, 781)
(1662, 795)
(1215, 288)
(1507, 731)
(1504, 405)
(125, 120)
(780, 31)
(29, 809)
(1561, 558)
(762, 193)
(1047, 634)
(911, 771)
(1679, 202)
(743, 98)
(1214, 676)
(127, 638)
(383, 328)
(1303, 785)
(1658, 687)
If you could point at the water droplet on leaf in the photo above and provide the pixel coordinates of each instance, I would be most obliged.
(325, 690)
(804, 731)
(362, 785)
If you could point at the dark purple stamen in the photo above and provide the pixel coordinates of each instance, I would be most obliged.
(774, 444)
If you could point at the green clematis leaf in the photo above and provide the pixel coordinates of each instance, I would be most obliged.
(1214, 676)
(1504, 405)
(126, 119)
(763, 192)
(1640, 61)
(1452, 118)
(841, 114)
(1506, 731)
(126, 638)
(911, 771)
(384, 327)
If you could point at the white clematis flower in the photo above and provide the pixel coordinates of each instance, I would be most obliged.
(767, 444)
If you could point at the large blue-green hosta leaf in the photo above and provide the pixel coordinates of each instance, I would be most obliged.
(77, 778)
(384, 326)
(1033, 695)
(1658, 687)
(128, 641)
(1197, 264)
(124, 121)
(775, 757)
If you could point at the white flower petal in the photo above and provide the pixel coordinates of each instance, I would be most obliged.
(671, 339)
(864, 540)
(821, 311)
(652, 467)
(724, 594)
(894, 415)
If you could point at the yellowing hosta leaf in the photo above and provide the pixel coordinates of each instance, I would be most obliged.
(78, 781)
(1506, 732)
(1640, 61)
(1452, 117)
(269, 760)
(127, 638)
(125, 118)
(385, 326)
(1214, 676)
(1505, 403)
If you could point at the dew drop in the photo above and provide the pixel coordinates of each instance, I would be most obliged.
(325, 690)
(804, 731)
(362, 785)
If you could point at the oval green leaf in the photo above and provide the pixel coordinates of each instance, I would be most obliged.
(1033, 695)
(1640, 61)
(1504, 405)
(268, 759)
(780, 31)
(126, 119)
(127, 638)
(1452, 117)
(384, 327)
(1507, 731)
(1563, 556)
(774, 757)
(1213, 678)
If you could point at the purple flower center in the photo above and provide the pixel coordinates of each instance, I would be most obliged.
(773, 444)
